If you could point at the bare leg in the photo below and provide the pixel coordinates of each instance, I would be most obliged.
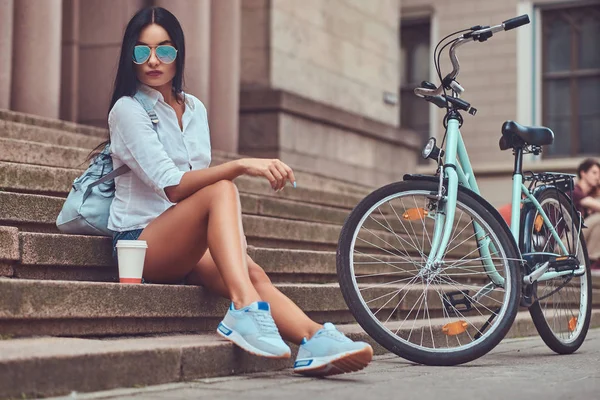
(179, 237)
(292, 322)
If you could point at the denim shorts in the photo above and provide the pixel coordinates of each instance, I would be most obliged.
(125, 235)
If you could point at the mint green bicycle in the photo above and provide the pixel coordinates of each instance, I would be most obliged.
(429, 268)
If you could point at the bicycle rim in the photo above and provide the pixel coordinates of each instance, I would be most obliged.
(419, 308)
(563, 301)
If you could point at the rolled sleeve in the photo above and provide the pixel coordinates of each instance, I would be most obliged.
(135, 142)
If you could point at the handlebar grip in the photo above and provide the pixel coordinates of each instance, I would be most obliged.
(516, 22)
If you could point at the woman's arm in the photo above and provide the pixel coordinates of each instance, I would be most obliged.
(275, 171)
(135, 142)
(591, 203)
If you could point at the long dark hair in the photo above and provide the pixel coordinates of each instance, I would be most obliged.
(126, 81)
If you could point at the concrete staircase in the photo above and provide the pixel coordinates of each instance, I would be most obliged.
(67, 325)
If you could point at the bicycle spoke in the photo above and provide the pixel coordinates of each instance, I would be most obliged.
(401, 293)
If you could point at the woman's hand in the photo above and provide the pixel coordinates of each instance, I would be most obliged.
(274, 170)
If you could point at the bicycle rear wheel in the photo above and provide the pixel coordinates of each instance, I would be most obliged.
(563, 310)
(448, 315)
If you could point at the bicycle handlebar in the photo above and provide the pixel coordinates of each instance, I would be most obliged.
(516, 22)
(478, 33)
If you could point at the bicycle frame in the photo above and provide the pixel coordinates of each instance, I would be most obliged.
(461, 173)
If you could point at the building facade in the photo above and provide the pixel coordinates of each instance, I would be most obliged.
(545, 73)
(326, 85)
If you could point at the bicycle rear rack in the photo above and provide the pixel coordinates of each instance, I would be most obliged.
(560, 180)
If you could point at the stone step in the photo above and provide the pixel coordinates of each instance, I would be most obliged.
(40, 134)
(47, 249)
(259, 230)
(86, 258)
(21, 143)
(50, 123)
(47, 366)
(26, 152)
(56, 181)
(39, 212)
(64, 308)
(32, 255)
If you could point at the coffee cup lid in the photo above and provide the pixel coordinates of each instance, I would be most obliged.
(137, 244)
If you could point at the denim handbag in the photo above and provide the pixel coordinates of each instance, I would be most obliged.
(86, 210)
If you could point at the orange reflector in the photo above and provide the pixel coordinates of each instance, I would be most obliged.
(414, 214)
(538, 223)
(455, 328)
(572, 324)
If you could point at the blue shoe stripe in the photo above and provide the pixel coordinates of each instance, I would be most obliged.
(303, 363)
(263, 305)
(224, 330)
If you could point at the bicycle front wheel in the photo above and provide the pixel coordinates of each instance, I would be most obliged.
(452, 313)
(563, 310)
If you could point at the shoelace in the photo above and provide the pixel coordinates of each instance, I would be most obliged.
(265, 321)
(334, 334)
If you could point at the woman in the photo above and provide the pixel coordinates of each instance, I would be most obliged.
(190, 214)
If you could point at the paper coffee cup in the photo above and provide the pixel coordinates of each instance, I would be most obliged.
(130, 255)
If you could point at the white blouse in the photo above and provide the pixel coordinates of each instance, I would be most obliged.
(157, 159)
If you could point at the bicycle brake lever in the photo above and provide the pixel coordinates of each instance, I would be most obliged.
(438, 100)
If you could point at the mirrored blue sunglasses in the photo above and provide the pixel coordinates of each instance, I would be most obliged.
(165, 53)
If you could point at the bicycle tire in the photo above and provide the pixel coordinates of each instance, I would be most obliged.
(366, 319)
(539, 310)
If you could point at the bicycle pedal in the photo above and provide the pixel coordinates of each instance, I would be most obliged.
(457, 301)
(564, 263)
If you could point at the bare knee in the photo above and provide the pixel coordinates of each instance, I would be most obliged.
(258, 276)
(224, 188)
(215, 193)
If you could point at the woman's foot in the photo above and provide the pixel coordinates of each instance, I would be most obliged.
(330, 352)
(252, 328)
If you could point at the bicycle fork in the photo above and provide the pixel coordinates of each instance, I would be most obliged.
(446, 206)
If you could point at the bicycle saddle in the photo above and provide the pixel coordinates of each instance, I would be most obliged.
(537, 135)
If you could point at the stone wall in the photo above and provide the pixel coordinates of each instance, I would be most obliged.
(340, 52)
(323, 139)
(334, 55)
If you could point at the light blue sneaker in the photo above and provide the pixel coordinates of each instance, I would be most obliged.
(253, 329)
(330, 352)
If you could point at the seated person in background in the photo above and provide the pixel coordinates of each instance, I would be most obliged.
(584, 193)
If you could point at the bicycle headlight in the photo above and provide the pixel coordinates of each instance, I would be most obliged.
(429, 148)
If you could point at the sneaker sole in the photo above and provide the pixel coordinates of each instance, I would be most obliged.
(239, 341)
(340, 364)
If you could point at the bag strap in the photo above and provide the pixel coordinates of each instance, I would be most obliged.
(149, 109)
(124, 168)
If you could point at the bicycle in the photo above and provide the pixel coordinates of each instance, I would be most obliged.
(429, 268)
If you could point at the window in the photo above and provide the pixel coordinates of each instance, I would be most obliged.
(571, 79)
(415, 55)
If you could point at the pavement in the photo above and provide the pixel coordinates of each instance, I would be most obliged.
(516, 369)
